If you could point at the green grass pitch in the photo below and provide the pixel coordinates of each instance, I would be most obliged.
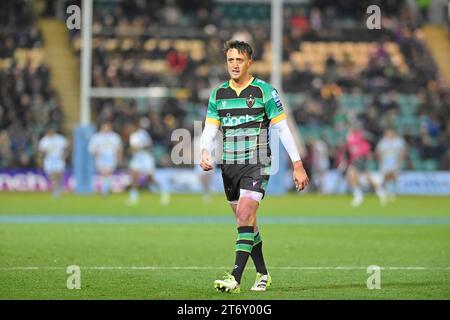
(325, 257)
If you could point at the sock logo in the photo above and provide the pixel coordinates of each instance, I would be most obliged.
(235, 266)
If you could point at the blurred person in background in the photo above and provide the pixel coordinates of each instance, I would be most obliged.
(320, 162)
(53, 148)
(106, 147)
(356, 161)
(205, 177)
(142, 163)
(390, 152)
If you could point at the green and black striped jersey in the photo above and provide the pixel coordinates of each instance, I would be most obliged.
(244, 114)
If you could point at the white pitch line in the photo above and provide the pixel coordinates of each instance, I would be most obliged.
(217, 268)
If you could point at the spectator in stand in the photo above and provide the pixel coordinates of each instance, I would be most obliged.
(177, 61)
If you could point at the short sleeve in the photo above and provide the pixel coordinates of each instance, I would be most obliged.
(42, 145)
(273, 106)
(212, 116)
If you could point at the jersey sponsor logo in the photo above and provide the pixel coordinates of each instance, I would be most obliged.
(277, 100)
(234, 121)
(224, 103)
(250, 101)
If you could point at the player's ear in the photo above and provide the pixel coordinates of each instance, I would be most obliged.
(250, 62)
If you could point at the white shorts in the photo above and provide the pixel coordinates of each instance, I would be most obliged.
(54, 166)
(143, 163)
(389, 167)
(106, 163)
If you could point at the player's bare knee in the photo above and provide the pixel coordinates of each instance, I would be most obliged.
(243, 214)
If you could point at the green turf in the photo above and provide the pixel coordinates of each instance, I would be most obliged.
(293, 204)
(167, 247)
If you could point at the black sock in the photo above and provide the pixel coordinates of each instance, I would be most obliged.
(257, 255)
(244, 245)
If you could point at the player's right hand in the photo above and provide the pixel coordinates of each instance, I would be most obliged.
(206, 161)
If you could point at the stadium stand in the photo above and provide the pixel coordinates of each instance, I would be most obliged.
(28, 102)
(335, 70)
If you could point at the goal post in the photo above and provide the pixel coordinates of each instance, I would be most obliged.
(83, 167)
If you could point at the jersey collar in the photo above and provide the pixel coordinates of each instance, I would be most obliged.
(239, 90)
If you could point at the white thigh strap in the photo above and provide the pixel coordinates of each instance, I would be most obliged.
(257, 196)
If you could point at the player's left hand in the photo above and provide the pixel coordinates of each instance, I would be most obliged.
(301, 179)
(206, 161)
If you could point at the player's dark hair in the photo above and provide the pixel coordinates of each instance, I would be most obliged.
(105, 122)
(241, 46)
(51, 126)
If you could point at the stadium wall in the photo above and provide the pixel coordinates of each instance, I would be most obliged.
(187, 181)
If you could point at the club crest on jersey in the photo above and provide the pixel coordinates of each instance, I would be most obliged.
(250, 101)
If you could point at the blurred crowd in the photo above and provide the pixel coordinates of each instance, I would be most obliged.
(135, 45)
(28, 103)
(380, 80)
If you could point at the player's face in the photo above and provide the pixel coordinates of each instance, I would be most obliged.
(390, 133)
(238, 64)
(106, 127)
